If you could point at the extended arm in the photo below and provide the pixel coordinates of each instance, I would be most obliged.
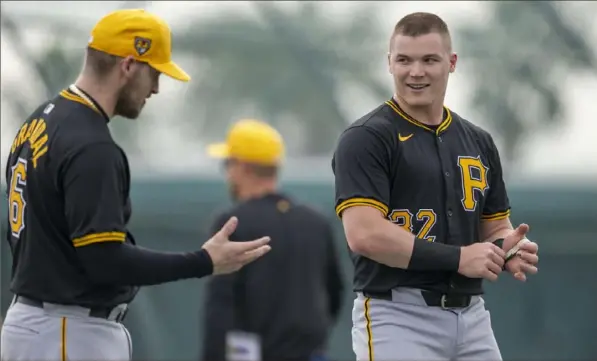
(93, 182)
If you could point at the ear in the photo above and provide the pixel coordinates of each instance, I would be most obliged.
(127, 66)
(453, 60)
(389, 63)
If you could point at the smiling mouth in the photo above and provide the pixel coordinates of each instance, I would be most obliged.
(417, 86)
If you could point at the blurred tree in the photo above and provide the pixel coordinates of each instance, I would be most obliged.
(521, 57)
(55, 66)
(284, 65)
(52, 67)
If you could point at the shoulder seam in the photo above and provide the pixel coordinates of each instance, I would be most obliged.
(374, 114)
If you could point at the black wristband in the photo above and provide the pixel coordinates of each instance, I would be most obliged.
(499, 242)
(431, 256)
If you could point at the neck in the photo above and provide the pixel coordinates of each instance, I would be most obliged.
(257, 190)
(432, 114)
(101, 92)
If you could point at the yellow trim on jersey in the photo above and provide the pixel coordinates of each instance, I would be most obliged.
(351, 202)
(441, 128)
(63, 340)
(75, 98)
(369, 331)
(496, 216)
(99, 237)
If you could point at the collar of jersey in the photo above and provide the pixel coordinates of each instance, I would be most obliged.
(75, 94)
(443, 126)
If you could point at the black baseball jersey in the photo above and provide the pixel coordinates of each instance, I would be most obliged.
(436, 182)
(59, 203)
(291, 297)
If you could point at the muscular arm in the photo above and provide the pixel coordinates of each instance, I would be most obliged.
(493, 230)
(93, 182)
(370, 234)
(362, 179)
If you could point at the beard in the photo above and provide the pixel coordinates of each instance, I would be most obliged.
(233, 191)
(126, 106)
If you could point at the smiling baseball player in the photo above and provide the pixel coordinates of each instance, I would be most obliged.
(425, 211)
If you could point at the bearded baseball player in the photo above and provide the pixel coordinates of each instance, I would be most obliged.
(76, 266)
(425, 211)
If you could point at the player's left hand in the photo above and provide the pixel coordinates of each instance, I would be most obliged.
(526, 258)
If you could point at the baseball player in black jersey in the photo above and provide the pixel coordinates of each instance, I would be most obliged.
(425, 211)
(283, 306)
(75, 264)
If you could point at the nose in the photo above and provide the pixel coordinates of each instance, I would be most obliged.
(417, 69)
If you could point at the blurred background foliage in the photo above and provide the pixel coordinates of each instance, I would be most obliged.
(291, 67)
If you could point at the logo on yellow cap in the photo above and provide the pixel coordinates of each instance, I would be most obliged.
(142, 45)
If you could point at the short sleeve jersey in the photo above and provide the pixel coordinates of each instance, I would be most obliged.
(438, 183)
(68, 187)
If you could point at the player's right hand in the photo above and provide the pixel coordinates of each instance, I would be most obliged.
(227, 256)
(481, 260)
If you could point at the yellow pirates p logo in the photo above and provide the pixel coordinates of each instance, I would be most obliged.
(142, 45)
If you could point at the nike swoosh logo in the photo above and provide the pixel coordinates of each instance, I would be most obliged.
(405, 138)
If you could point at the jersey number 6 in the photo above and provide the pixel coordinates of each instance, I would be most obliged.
(405, 219)
(16, 200)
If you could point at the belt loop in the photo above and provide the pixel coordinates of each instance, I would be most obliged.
(442, 302)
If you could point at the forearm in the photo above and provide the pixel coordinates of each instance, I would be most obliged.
(121, 264)
(391, 245)
(498, 234)
(491, 231)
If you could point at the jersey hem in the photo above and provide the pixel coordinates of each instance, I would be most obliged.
(99, 237)
(496, 216)
(351, 202)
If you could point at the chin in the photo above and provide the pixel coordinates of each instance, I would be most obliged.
(417, 101)
(130, 114)
(233, 194)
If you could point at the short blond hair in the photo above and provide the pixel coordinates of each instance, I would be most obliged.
(100, 63)
(422, 23)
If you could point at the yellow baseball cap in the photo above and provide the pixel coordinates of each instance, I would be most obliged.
(139, 34)
(251, 141)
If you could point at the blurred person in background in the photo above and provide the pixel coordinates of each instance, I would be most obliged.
(282, 308)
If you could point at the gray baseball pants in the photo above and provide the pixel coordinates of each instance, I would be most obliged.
(60, 333)
(406, 329)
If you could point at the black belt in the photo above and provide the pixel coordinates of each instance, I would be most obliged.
(432, 299)
(98, 312)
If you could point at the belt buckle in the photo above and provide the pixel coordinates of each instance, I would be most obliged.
(442, 302)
